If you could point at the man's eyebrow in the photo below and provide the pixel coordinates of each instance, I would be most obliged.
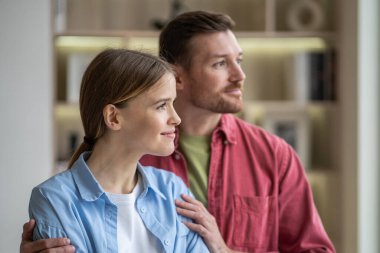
(224, 55)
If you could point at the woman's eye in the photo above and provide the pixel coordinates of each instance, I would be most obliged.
(162, 107)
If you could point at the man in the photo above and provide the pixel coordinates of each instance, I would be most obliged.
(253, 184)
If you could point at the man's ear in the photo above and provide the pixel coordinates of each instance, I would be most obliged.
(179, 76)
(111, 117)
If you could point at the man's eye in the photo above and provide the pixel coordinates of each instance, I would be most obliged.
(220, 64)
(239, 61)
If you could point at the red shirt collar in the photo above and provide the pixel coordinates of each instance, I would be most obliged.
(226, 126)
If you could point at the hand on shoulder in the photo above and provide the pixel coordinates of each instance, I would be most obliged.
(52, 245)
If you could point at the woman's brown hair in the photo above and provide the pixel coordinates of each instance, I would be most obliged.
(113, 77)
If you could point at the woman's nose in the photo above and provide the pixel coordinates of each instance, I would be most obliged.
(175, 119)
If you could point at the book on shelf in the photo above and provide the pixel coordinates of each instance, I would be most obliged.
(310, 76)
(76, 65)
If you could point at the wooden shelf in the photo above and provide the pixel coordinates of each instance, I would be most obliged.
(241, 34)
(108, 33)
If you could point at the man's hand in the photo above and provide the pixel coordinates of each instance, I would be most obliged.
(54, 245)
(205, 224)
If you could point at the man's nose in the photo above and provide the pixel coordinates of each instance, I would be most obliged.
(237, 74)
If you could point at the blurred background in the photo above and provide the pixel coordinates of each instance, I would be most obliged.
(312, 71)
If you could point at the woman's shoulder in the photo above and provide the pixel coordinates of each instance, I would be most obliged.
(56, 185)
(61, 177)
(159, 173)
(162, 178)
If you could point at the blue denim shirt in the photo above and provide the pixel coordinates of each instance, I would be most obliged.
(73, 204)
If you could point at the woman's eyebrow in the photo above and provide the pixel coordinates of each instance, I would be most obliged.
(162, 100)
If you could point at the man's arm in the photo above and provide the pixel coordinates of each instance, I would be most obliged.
(53, 245)
(205, 224)
(300, 227)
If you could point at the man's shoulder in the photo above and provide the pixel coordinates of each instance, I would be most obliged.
(241, 125)
(161, 163)
(248, 131)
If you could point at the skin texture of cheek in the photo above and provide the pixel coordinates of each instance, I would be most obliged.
(217, 101)
(152, 137)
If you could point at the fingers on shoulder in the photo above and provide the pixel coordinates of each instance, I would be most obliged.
(63, 249)
(52, 245)
(201, 230)
(28, 226)
(190, 199)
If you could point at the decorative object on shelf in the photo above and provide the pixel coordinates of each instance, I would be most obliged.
(293, 126)
(176, 8)
(305, 15)
(310, 76)
(60, 12)
(297, 72)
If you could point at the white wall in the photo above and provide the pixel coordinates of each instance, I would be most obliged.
(368, 149)
(26, 97)
(360, 94)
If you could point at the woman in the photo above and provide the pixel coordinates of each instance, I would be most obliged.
(107, 201)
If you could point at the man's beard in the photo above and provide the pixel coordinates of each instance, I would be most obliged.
(219, 105)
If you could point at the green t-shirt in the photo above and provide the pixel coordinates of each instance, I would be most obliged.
(197, 152)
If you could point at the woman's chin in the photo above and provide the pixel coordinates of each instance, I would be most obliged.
(165, 152)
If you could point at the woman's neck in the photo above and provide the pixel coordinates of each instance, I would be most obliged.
(115, 170)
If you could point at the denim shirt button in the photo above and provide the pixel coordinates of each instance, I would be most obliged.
(166, 242)
(142, 209)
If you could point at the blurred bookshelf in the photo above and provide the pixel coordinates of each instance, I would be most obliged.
(291, 68)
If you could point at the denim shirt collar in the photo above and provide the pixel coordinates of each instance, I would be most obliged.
(90, 189)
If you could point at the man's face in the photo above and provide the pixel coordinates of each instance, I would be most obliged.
(214, 80)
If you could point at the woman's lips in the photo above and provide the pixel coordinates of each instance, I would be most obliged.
(170, 134)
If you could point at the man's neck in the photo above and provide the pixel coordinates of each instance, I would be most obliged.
(199, 123)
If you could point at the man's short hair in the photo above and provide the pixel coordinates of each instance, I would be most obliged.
(177, 34)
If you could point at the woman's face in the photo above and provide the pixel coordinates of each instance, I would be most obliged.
(149, 120)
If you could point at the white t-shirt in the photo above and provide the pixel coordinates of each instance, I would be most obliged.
(132, 235)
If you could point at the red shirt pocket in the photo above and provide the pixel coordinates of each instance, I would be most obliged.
(255, 223)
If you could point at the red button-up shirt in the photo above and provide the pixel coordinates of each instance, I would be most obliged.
(257, 191)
